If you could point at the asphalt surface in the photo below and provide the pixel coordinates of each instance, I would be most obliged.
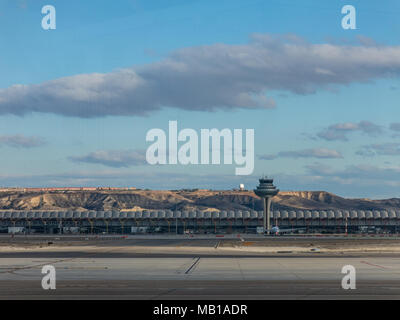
(199, 290)
(107, 274)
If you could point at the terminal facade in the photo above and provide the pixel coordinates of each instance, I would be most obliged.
(177, 222)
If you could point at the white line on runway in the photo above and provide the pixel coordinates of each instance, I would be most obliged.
(193, 266)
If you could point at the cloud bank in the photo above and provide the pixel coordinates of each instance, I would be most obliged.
(320, 153)
(360, 174)
(114, 158)
(208, 78)
(386, 149)
(21, 141)
(340, 131)
(395, 126)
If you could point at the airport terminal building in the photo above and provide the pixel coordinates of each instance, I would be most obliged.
(166, 221)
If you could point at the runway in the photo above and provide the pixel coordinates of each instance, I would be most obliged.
(199, 290)
(200, 278)
(116, 270)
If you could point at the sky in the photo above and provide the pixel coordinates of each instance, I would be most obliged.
(77, 102)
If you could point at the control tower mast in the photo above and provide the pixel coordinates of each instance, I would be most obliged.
(266, 190)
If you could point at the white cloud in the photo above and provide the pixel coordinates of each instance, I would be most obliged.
(208, 78)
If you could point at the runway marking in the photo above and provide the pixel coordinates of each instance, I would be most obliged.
(192, 266)
(14, 269)
(374, 265)
(184, 266)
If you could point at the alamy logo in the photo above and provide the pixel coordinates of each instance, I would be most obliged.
(49, 280)
(210, 141)
(349, 20)
(349, 280)
(49, 20)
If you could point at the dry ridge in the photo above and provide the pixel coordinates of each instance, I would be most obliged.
(182, 200)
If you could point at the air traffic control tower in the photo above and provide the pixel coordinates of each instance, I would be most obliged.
(266, 190)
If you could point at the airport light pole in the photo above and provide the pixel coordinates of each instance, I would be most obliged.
(266, 190)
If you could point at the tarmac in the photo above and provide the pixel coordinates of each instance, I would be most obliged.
(190, 268)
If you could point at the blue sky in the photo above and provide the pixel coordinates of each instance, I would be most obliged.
(334, 128)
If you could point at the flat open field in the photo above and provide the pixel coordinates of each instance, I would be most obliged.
(177, 267)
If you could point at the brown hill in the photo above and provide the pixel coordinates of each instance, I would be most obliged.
(181, 200)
